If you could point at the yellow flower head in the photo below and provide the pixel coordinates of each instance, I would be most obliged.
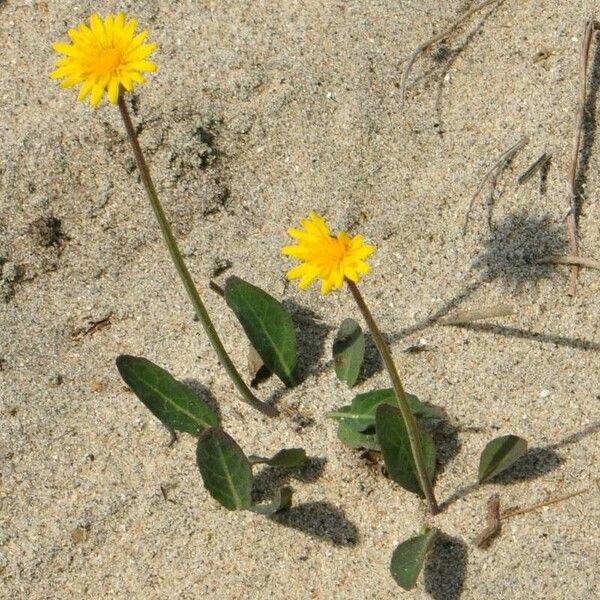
(103, 57)
(331, 259)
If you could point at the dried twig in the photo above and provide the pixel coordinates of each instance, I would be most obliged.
(92, 326)
(493, 522)
(572, 173)
(580, 261)
(494, 518)
(492, 173)
(548, 502)
(436, 38)
(468, 316)
(215, 287)
(539, 164)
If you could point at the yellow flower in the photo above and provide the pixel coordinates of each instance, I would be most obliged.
(331, 259)
(103, 57)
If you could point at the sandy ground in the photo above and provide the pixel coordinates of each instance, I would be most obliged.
(262, 111)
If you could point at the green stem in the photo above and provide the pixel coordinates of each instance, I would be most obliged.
(183, 272)
(407, 415)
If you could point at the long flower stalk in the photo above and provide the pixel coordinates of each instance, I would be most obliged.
(183, 272)
(409, 419)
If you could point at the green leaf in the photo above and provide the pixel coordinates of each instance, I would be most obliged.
(173, 402)
(225, 470)
(500, 454)
(348, 351)
(286, 458)
(395, 445)
(355, 439)
(360, 415)
(281, 501)
(268, 326)
(409, 556)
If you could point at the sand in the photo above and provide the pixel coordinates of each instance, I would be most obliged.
(261, 112)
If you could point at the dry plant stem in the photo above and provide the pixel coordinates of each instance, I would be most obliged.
(572, 174)
(493, 172)
(409, 419)
(436, 38)
(522, 511)
(183, 272)
(580, 261)
(216, 288)
(493, 522)
(468, 316)
(538, 165)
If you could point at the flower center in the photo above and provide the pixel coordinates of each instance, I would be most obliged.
(336, 252)
(108, 60)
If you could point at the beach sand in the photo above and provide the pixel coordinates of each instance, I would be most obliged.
(261, 112)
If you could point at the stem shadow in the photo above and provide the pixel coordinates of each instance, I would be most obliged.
(588, 128)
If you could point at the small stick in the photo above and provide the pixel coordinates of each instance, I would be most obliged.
(215, 287)
(468, 316)
(436, 38)
(92, 327)
(580, 261)
(572, 173)
(549, 502)
(493, 522)
(493, 172)
(539, 164)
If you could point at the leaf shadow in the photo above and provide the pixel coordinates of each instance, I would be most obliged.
(446, 568)
(205, 394)
(269, 479)
(534, 463)
(320, 520)
(447, 446)
(311, 335)
(372, 363)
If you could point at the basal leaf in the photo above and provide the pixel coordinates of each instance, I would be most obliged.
(360, 415)
(500, 454)
(395, 445)
(409, 556)
(281, 501)
(173, 402)
(225, 470)
(348, 351)
(286, 458)
(356, 439)
(268, 326)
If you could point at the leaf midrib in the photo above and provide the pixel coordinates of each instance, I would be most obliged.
(192, 416)
(280, 357)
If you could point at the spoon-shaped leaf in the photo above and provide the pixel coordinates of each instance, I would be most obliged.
(395, 445)
(500, 454)
(268, 326)
(225, 470)
(286, 458)
(360, 415)
(281, 501)
(409, 556)
(358, 439)
(348, 351)
(173, 402)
